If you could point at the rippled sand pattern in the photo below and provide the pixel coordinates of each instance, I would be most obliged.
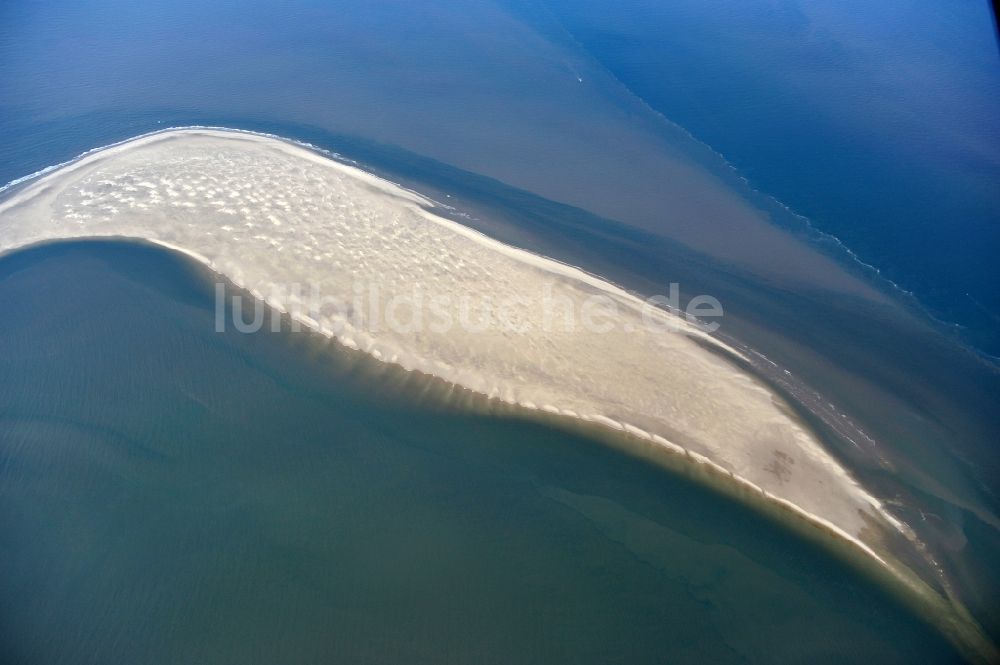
(267, 214)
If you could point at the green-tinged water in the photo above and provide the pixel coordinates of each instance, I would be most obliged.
(172, 494)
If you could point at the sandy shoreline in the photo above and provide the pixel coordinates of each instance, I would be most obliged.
(264, 212)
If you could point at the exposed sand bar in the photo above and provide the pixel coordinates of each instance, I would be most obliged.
(269, 214)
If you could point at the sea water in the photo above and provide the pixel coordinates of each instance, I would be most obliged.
(175, 494)
(397, 90)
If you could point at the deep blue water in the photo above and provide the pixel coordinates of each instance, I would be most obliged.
(878, 121)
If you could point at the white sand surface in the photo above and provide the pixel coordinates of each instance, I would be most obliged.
(268, 214)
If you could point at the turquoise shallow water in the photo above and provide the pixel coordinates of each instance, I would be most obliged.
(171, 494)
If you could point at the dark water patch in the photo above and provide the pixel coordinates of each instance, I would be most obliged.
(877, 122)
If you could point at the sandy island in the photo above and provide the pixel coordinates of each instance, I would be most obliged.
(267, 213)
